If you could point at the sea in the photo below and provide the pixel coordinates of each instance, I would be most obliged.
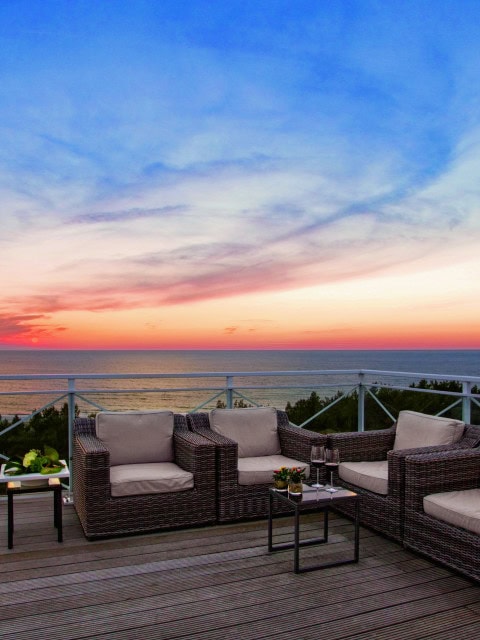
(185, 394)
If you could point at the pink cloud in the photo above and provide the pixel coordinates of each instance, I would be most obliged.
(15, 328)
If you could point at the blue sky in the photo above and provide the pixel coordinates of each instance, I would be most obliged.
(187, 171)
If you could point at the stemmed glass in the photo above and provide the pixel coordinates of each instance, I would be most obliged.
(332, 460)
(317, 458)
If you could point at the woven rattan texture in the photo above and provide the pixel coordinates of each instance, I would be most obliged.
(235, 501)
(386, 513)
(436, 473)
(101, 515)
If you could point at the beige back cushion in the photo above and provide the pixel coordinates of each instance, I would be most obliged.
(136, 437)
(421, 430)
(255, 430)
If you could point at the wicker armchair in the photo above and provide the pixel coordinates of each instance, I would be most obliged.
(441, 473)
(384, 512)
(237, 501)
(102, 515)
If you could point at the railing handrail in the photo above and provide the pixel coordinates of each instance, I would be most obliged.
(241, 374)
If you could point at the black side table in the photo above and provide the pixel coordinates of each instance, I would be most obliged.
(313, 500)
(54, 485)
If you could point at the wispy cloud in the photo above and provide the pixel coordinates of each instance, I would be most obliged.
(122, 216)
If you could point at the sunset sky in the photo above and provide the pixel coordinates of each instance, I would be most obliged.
(259, 174)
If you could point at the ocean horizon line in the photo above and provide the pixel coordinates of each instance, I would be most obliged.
(325, 349)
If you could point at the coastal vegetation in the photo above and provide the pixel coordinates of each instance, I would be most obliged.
(343, 415)
(49, 427)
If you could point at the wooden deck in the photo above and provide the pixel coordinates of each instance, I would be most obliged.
(220, 583)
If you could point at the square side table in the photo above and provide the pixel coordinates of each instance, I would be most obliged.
(317, 500)
(15, 487)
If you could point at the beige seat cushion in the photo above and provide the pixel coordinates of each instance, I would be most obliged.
(136, 437)
(138, 479)
(421, 430)
(259, 469)
(372, 476)
(460, 508)
(255, 430)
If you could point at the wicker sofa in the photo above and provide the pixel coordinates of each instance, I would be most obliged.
(250, 444)
(378, 469)
(121, 491)
(442, 508)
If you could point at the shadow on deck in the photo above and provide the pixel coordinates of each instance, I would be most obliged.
(220, 583)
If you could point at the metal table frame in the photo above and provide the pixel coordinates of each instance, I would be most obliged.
(54, 485)
(320, 501)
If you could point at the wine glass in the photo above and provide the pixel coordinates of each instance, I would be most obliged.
(332, 460)
(317, 458)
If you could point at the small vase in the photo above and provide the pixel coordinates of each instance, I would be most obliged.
(295, 488)
(280, 485)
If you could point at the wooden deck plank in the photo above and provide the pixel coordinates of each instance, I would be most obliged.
(221, 583)
(247, 623)
(144, 545)
(215, 580)
(432, 626)
(191, 603)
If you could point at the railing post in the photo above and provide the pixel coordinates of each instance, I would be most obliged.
(361, 403)
(229, 392)
(466, 402)
(71, 419)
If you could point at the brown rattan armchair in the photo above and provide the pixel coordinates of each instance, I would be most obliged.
(102, 514)
(382, 504)
(452, 481)
(235, 499)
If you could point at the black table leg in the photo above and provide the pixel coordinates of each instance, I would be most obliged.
(10, 519)
(57, 507)
(357, 531)
(296, 542)
(270, 524)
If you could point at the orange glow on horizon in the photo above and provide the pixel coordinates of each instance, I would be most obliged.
(388, 312)
(347, 338)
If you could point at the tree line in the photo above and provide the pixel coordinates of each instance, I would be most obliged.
(343, 416)
(49, 427)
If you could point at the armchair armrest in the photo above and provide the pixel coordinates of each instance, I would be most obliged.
(91, 467)
(437, 472)
(196, 454)
(199, 423)
(226, 449)
(471, 436)
(364, 446)
(84, 426)
(396, 462)
(297, 443)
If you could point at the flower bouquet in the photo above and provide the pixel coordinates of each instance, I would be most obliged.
(280, 478)
(296, 476)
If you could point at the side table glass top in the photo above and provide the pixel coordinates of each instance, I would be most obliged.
(312, 495)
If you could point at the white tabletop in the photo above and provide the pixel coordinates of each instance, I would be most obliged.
(64, 473)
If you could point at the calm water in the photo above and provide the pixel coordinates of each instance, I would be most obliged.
(178, 393)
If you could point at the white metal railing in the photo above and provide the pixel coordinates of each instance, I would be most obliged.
(254, 387)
